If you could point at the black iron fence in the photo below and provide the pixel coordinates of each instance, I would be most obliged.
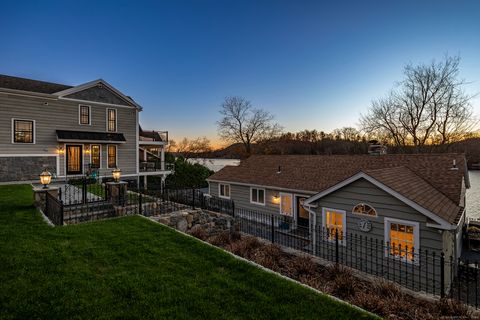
(53, 209)
(88, 199)
(420, 270)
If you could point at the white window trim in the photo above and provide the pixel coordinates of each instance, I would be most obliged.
(344, 222)
(229, 190)
(80, 115)
(264, 196)
(291, 204)
(65, 158)
(416, 237)
(116, 156)
(91, 153)
(34, 131)
(365, 215)
(116, 121)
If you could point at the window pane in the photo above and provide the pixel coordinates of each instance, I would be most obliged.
(112, 120)
(254, 195)
(286, 204)
(23, 131)
(402, 241)
(95, 156)
(84, 115)
(261, 196)
(227, 190)
(112, 156)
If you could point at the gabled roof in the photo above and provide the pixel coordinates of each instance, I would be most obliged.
(30, 85)
(72, 90)
(426, 179)
(59, 90)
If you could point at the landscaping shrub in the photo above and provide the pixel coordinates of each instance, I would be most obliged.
(302, 266)
(245, 247)
(453, 308)
(371, 303)
(344, 283)
(198, 232)
(387, 289)
(221, 239)
(270, 256)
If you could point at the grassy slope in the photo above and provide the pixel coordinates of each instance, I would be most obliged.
(133, 268)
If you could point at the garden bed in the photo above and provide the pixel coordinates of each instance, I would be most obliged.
(380, 297)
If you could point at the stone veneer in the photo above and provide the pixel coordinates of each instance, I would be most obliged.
(25, 168)
(187, 220)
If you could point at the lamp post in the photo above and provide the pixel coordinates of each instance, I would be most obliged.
(116, 173)
(45, 178)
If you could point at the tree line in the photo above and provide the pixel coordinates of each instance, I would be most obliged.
(428, 107)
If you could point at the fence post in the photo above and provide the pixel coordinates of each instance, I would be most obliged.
(233, 209)
(193, 198)
(336, 245)
(84, 190)
(46, 205)
(442, 275)
(139, 202)
(273, 229)
(61, 213)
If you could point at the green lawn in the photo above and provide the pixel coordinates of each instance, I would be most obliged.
(132, 268)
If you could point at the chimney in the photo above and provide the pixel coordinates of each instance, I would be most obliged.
(454, 165)
(375, 148)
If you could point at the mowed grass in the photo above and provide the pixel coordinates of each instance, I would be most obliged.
(132, 268)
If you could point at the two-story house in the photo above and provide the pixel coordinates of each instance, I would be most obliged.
(72, 130)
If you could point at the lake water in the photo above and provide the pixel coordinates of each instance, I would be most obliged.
(215, 164)
(473, 194)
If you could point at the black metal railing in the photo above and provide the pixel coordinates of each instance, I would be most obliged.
(420, 270)
(53, 209)
(150, 166)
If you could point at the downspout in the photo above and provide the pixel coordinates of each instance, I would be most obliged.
(312, 225)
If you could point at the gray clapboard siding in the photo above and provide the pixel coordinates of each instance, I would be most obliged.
(362, 191)
(63, 115)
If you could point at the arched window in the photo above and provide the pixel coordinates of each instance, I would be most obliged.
(365, 209)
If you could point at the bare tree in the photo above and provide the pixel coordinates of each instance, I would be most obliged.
(188, 148)
(428, 107)
(241, 123)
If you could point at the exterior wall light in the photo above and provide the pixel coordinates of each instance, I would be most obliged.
(45, 178)
(116, 173)
(60, 150)
(87, 149)
(276, 198)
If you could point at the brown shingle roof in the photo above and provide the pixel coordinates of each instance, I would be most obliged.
(24, 84)
(420, 172)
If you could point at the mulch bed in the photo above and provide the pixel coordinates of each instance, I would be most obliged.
(380, 297)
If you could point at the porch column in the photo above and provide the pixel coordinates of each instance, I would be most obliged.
(162, 159)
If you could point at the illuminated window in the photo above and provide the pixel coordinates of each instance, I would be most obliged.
(111, 120)
(257, 196)
(224, 190)
(95, 149)
(23, 131)
(403, 238)
(112, 156)
(286, 204)
(334, 221)
(365, 209)
(84, 114)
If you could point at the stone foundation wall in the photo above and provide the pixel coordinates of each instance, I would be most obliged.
(25, 168)
(187, 220)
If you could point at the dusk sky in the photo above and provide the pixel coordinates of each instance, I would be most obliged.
(314, 65)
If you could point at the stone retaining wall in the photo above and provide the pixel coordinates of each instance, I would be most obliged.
(189, 219)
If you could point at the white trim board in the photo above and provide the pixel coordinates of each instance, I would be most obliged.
(263, 186)
(94, 83)
(442, 223)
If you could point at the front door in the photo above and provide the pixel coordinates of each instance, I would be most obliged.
(74, 159)
(302, 213)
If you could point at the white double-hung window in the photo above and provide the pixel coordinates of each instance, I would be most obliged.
(257, 196)
(402, 238)
(224, 191)
(335, 224)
